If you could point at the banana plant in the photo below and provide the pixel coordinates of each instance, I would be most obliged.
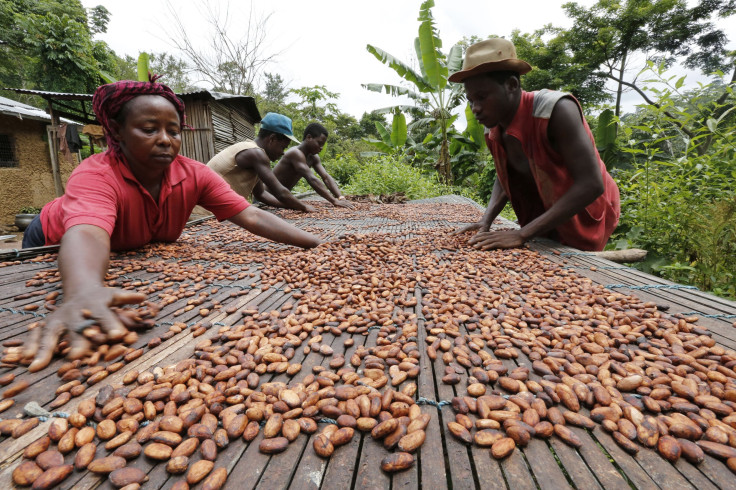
(142, 70)
(434, 98)
(394, 140)
(464, 148)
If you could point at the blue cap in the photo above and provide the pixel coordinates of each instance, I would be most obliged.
(278, 123)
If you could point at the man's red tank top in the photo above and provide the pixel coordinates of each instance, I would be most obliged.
(587, 230)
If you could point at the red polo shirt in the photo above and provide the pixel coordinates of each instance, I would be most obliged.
(103, 192)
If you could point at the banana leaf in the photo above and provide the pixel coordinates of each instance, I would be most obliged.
(474, 130)
(398, 130)
(394, 90)
(455, 59)
(143, 67)
(403, 70)
(429, 44)
(394, 108)
(379, 144)
(383, 133)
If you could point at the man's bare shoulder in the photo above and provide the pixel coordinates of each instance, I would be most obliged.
(252, 156)
(294, 154)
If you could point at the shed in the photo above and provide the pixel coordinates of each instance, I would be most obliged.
(26, 162)
(216, 120)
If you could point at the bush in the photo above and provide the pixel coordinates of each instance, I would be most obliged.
(342, 168)
(389, 174)
(677, 195)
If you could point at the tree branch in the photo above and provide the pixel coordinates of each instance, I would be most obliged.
(649, 101)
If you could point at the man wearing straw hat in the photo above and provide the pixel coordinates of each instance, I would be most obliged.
(546, 161)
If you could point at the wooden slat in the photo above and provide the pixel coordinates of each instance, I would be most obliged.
(442, 461)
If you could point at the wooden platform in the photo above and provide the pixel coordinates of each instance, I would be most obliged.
(233, 278)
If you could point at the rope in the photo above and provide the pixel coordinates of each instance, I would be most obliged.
(22, 312)
(438, 405)
(577, 254)
(649, 286)
(33, 409)
(698, 313)
(325, 420)
(608, 268)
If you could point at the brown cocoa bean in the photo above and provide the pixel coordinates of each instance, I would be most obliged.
(273, 445)
(503, 447)
(52, 477)
(396, 462)
(198, 471)
(26, 473)
(131, 475)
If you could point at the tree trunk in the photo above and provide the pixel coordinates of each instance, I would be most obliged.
(443, 164)
(620, 88)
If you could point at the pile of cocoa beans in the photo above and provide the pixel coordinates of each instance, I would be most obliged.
(529, 347)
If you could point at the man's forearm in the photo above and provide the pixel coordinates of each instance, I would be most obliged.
(332, 186)
(320, 188)
(496, 204)
(267, 198)
(282, 198)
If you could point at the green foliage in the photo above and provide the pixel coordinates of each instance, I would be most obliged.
(392, 139)
(368, 124)
(678, 201)
(143, 67)
(605, 135)
(434, 99)
(99, 16)
(606, 36)
(389, 174)
(60, 45)
(29, 210)
(342, 168)
(555, 68)
(47, 45)
(173, 70)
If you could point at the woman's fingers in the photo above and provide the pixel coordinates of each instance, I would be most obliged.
(48, 343)
(111, 324)
(120, 298)
(79, 348)
(31, 347)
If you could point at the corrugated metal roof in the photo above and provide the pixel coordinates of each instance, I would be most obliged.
(248, 101)
(53, 95)
(20, 110)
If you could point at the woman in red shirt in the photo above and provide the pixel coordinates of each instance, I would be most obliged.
(140, 190)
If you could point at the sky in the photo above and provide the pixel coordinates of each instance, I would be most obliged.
(323, 42)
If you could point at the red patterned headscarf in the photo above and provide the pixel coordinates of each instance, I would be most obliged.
(109, 99)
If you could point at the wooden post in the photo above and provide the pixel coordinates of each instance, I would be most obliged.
(53, 133)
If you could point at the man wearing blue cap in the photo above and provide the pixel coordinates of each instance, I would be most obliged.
(246, 166)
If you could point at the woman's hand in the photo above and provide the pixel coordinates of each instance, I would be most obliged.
(86, 308)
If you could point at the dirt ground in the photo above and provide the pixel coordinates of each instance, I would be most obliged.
(11, 243)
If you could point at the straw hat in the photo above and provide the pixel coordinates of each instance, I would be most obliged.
(491, 55)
